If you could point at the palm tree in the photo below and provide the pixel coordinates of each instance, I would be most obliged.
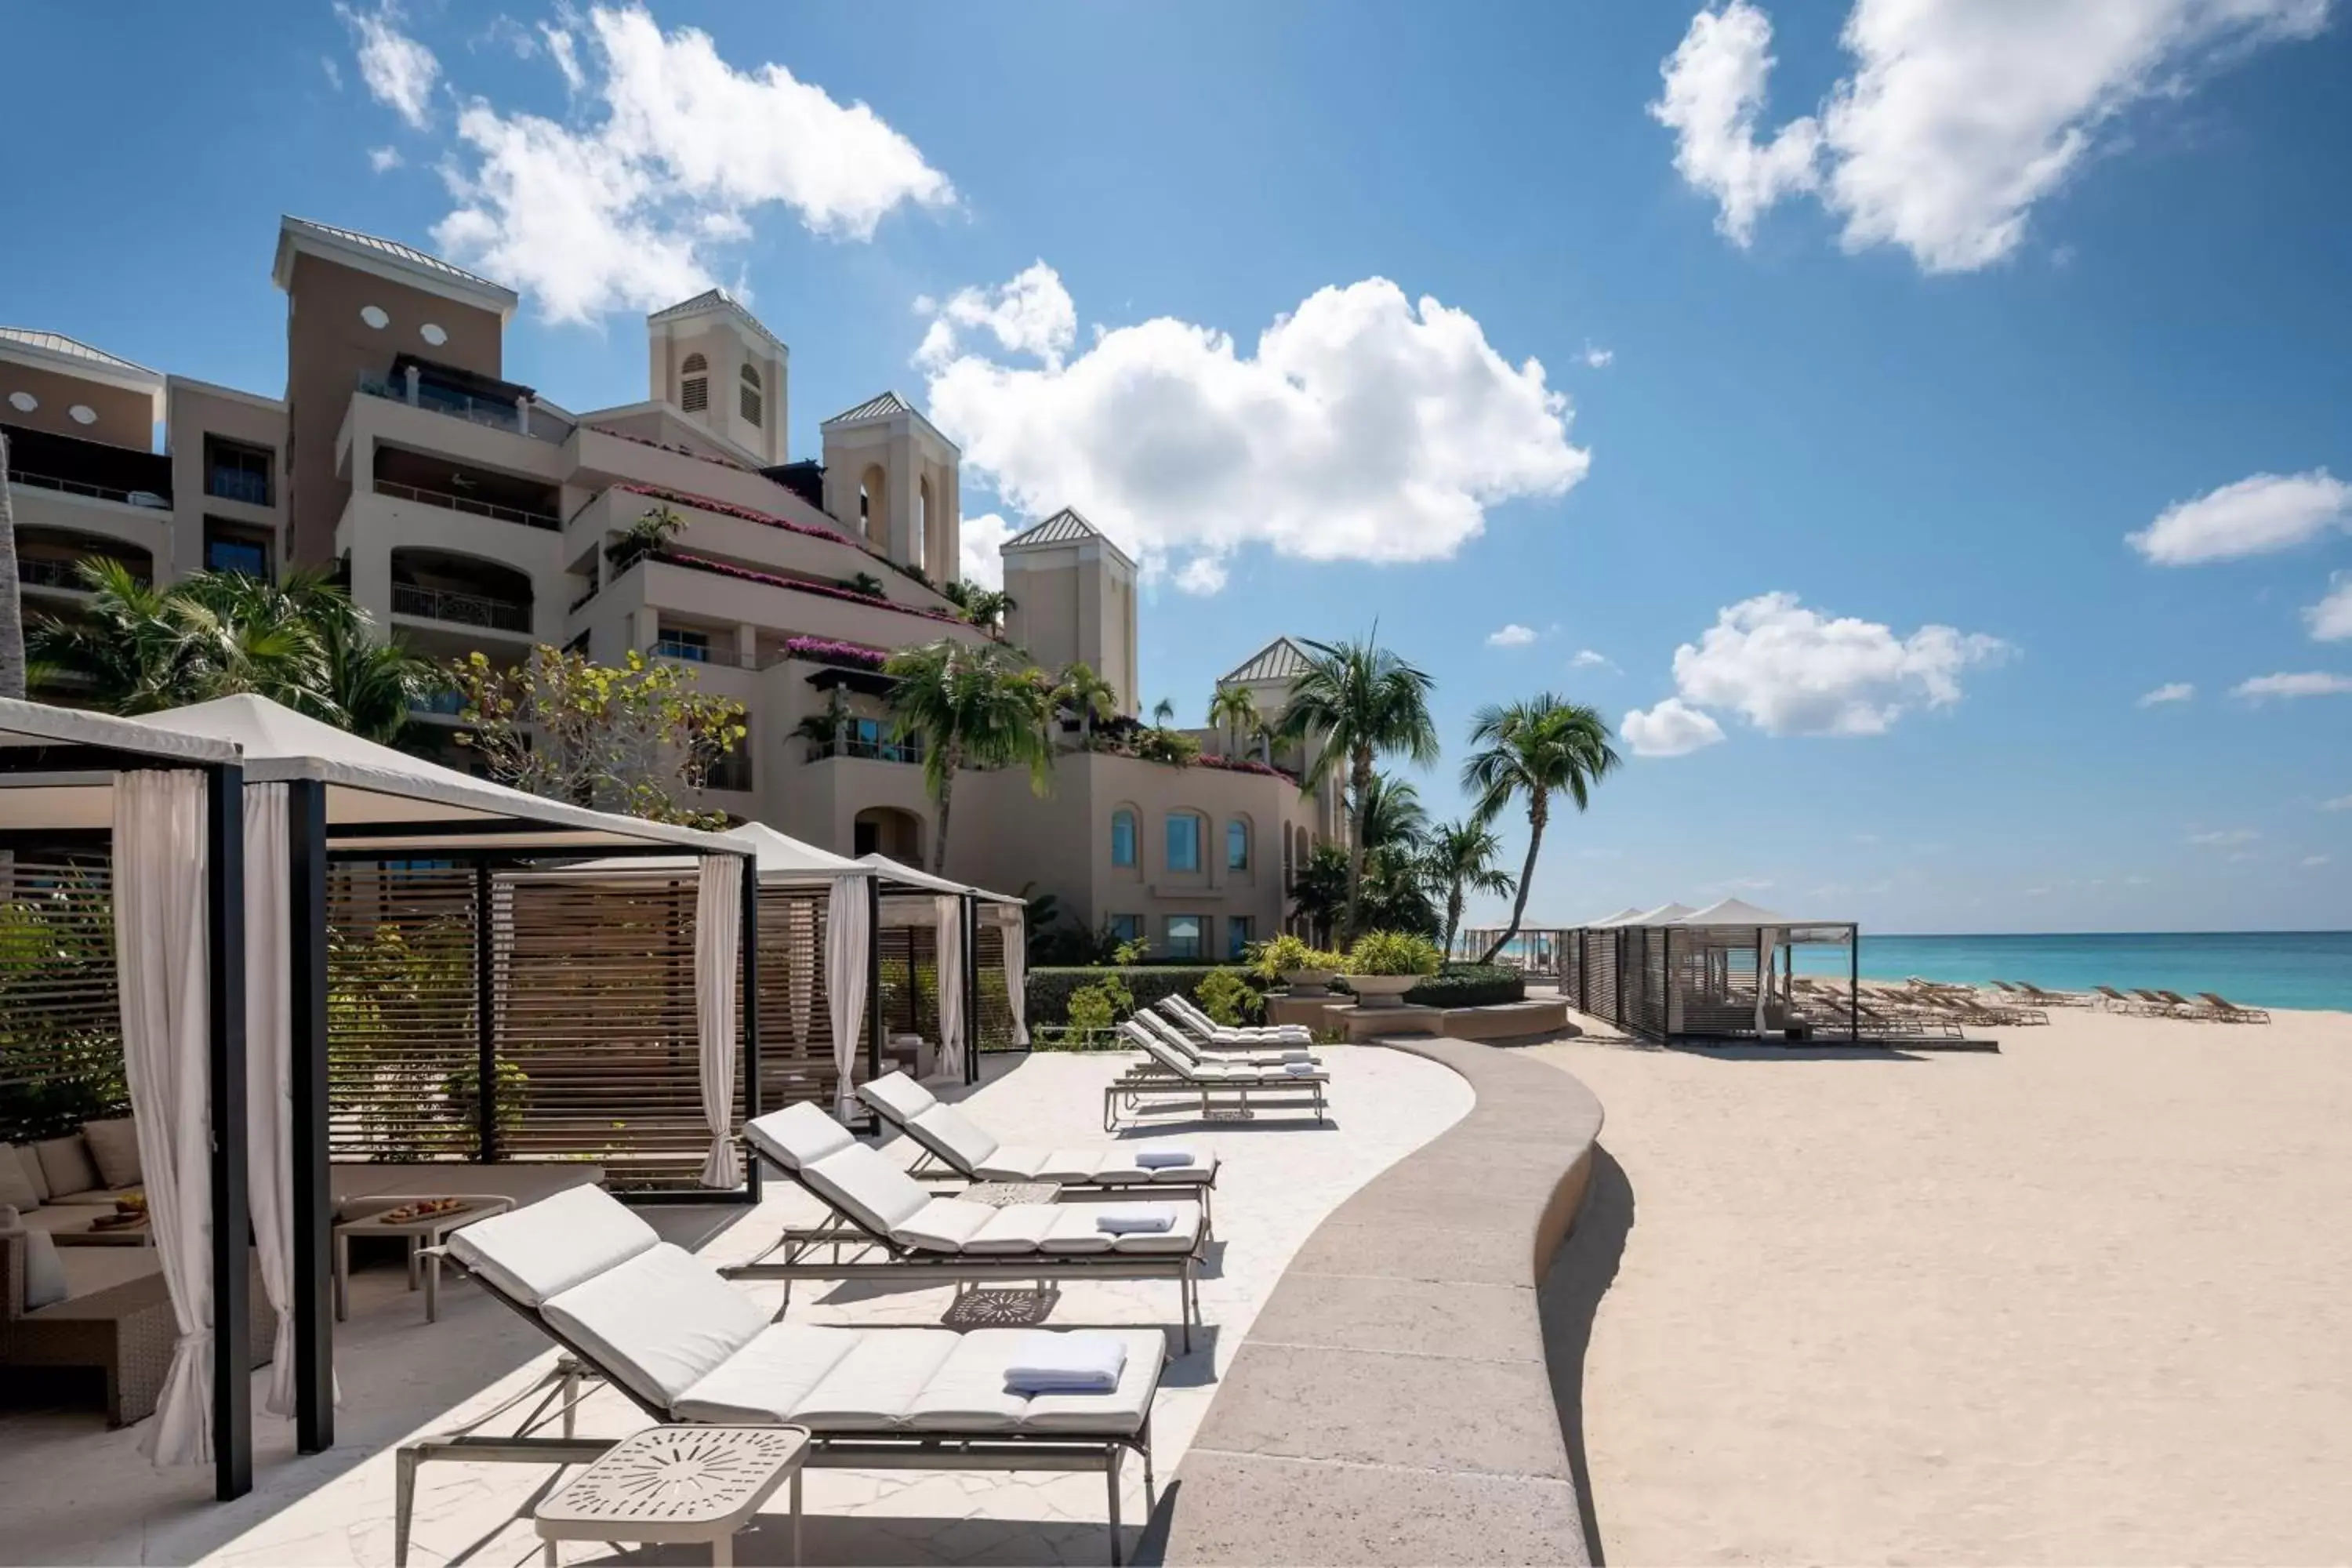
(1534, 750)
(1088, 695)
(1359, 702)
(984, 607)
(12, 603)
(1395, 823)
(371, 687)
(1461, 855)
(971, 707)
(1162, 711)
(1235, 709)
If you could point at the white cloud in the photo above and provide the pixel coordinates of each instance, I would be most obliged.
(1591, 658)
(2317, 860)
(383, 158)
(2309, 683)
(684, 150)
(983, 537)
(1599, 358)
(1511, 635)
(1671, 729)
(2331, 618)
(1033, 314)
(1364, 427)
(1956, 118)
(1792, 671)
(565, 53)
(334, 72)
(1712, 96)
(2341, 803)
(2225, 838)
(2174, 691)
(1203, 575)
(398, 70)
(2253, 517)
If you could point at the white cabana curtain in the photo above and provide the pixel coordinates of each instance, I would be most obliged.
(800, 966)
(849, 939)
(1014, 923)
(717, 938)
(160, 873)
(950, 928)
(269, 1072)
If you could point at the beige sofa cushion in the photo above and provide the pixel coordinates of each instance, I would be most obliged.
(28, 1160)
(114, 1149)
(17, 1189)
(65, 1162)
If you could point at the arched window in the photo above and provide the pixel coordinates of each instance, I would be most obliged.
(750, 389)
(694, 393)
(1184, 836)
(1237, 845)
(1122, 837)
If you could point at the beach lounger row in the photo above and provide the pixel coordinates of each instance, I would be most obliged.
(663, 1330)
(1168, 1079)
(2157, 1003)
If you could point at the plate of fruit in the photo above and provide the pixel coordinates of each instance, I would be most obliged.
(423, 1209)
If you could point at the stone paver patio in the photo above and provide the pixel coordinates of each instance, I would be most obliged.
(77, 1493)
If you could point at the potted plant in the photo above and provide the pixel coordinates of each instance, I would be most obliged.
(1303, 969)
(1385, 964)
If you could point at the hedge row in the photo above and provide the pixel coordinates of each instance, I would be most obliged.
(1469, 986)
(1049, 989)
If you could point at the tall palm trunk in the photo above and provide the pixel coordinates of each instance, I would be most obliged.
(1453, 914)
(1360, 785)
(12, 603)
(947, 805)
(1538, 809)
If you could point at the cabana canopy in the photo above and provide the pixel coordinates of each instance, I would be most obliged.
(1621, 917)
(908, 880)
(1664, 915)
(1733, 912)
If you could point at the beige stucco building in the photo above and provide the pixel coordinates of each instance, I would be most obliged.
(468, 513)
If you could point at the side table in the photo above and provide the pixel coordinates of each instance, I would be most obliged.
(424, 1235)
(1005, 1195)
(680, 1484)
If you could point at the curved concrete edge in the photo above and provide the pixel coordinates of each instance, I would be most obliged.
(1392, 1404)
(1527, 1019)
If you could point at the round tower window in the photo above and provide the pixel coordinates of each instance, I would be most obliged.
(374, 316)
(82, 414)
(432, 334)
(22, 401)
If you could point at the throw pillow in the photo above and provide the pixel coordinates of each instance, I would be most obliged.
(45, 1272)
(28, 1160)
(65, 1162)
(114, 1145)
(17, 1189)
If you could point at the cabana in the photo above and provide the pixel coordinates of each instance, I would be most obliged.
(331, 825)
(957, 915)
(1718, 973)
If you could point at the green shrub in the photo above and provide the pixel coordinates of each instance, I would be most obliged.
(1271, 960)
(1092, 1010)
(1051, 990)
(1393, 952)
(1469, 986)
(1228, 998)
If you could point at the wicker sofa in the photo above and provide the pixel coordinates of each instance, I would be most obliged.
(125, 1332)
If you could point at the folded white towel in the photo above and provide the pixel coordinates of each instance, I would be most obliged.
(1157, 1159)
(1300, 1067)
(1296, 1055)
(1048, 1362)
(1136, 1219)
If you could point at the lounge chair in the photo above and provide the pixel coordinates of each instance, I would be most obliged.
(2229, 1012)
(2116, 1001)
(1165, 1072)
(884, 1224)
(1186, 1012)
(2041, 998)
(659, 1326)
(953, 1141)
(1195, 1049)
(2164, 1003)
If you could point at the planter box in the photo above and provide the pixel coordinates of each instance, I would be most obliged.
(1381, 990)
(1307, 982)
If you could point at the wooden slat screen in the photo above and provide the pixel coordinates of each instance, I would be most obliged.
(795, 1002)
(1715, 983)
(910, 980)
(1600, 978)
(401, 1032)
(995, 1030)
(61, 1022)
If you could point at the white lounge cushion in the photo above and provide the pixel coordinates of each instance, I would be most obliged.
(766, 1379)
(543, 1250)
(1027, 1163)
(660, 1323)
(1122, 1411)
(1072, 1233)
(1184, 1175)
(898, 1096)
(967, 1393)
(942, 1225)
(1014, 1228)
(877, 1383)
(943, 1130)
(868, 1188)
(798, 1135)
(1182, 1235)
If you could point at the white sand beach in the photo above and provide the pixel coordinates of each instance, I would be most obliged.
(2083, 1301)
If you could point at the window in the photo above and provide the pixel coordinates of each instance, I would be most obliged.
(694, 396)
(233, 549)
(750, 391)
(1125, 928)
(1183, 842)
(234, 471)
(733, 770)
(1184, 936)
(1239, 935)
(1237, 837)
(1122, 837)
(677, 644)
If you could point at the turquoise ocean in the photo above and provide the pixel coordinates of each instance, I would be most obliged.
(2260, 969)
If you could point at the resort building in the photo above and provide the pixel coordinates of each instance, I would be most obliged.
(466, 511)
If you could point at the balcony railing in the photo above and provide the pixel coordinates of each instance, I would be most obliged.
(455, 502)
(460, 609)
(40, 572)
(543, 425)
(871, 749)
(238, 484)
(439, 704)
(153, 501)
(678, 648)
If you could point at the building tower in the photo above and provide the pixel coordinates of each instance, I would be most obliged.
(892, 478)
(712, 361)
(1073, 599)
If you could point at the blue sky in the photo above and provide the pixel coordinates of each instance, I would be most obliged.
(1860, 362)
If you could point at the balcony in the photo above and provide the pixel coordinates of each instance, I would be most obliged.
(237, 485)
(468, 504)
(460, 394)
(866, 740)
(51, 559)
(40, 459)
(460, 609)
